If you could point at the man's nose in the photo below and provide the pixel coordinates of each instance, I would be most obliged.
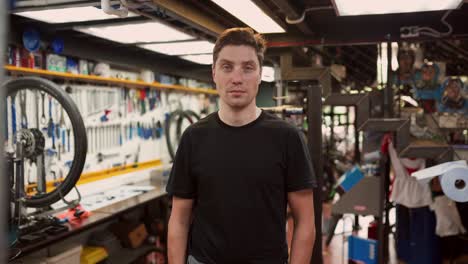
(237, 76)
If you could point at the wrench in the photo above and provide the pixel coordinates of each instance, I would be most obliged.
(43, 117)
(24, 117)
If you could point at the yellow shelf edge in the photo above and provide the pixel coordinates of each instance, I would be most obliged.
(101, 175)
(98, 79)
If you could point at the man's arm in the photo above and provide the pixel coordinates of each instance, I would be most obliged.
(179, 224)
(302, 208)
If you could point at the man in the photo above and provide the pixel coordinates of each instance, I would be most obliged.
(236, 170)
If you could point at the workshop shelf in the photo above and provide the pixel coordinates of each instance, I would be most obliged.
(426, 149)
(104, 80)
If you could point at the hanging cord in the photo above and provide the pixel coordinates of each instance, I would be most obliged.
(300, 19)
(73, 203)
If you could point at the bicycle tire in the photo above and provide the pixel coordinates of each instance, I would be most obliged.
(191, 116)
(188, 114)
(79, 132)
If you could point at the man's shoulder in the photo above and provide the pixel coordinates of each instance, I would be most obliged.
(208, 121)
(272, 121)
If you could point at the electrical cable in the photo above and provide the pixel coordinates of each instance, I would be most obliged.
(301, 18)
(427, 31)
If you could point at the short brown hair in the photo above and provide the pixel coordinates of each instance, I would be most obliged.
(240, 36)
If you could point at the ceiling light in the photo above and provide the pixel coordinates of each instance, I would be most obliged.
(200, 59)
(136, 32)
(67, 15)
(250, 14)
(268, 74)
(374, 7)
(181, 48)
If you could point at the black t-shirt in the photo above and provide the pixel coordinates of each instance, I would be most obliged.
(239, 178)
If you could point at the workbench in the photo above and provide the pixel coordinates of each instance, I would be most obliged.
(100, 218)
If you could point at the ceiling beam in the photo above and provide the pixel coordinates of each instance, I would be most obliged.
(191, 15)
(293, 13)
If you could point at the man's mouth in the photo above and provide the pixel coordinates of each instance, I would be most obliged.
(236, 91)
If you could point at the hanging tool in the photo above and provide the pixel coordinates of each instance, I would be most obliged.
(135, 100)
(50, 130)
(159, 129)
(68, 139)
(43, 117)
(62, 118)
(129, 100)
(152, 99)
(59, 151)
(130, 133)
(5, 112)
(120, 135)
(63, 140)
(13, 117)
(124, 96)
(139, 130)
(56, 126)
(24, 117)
(101, 157)
(143, 93)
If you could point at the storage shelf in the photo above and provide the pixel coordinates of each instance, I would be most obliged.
(111, 81)
(426, 149)
(384, 124)
(128, 255)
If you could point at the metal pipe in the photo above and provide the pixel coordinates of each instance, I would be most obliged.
(108, 9)
(388, 92)
(4, 188)
(314, 143)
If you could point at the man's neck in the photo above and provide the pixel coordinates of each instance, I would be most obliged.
(238, 117)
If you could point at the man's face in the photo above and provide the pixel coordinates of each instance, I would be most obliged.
(237, 74)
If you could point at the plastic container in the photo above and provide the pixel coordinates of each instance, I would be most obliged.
(105, 239)
(92, 255)
(71, 256)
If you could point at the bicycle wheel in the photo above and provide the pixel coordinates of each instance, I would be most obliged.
(79, 135)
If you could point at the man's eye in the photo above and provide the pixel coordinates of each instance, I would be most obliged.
(226, 67)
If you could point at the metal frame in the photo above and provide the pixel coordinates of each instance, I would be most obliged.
(291, 73)
(3, 180)
(315, 91)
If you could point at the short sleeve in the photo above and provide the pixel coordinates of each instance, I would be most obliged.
(181, 182)
(300, 173)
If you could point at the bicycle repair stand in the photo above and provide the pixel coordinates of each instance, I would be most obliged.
(24, 226)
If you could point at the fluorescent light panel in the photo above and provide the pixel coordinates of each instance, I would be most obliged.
(249, 13)
(137, 32)
(181, 48)
(67, 15)
(375, 7)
